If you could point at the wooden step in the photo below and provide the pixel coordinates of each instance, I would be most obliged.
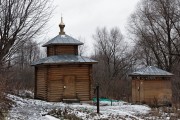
(71, 100)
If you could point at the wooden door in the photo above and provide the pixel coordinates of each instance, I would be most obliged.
(69, 87)
(137, 90)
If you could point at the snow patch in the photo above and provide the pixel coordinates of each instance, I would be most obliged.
(51, 117)
(31, 109)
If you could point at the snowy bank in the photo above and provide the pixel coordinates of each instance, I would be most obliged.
(31, 109)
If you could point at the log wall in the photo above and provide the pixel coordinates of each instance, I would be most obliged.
(53, 87)
(150, 91)
(41, 83)
(62, 49)
(159, 90)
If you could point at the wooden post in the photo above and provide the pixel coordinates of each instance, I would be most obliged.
(139, 92)
(97, 92)
(35, 82)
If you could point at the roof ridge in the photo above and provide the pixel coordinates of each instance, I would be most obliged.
(151, 70)
(59, 40)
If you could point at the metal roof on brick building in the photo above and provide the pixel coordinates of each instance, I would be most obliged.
(151, 70)
(63, 59)
(63, 40)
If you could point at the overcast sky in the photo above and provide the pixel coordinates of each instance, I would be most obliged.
(82, 17)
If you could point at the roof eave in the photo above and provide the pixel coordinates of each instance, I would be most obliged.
(45, 45)
(148, 75)
(64, 63)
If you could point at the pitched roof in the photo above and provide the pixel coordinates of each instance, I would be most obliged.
(63, 59)
(62, 40)
(152, 71)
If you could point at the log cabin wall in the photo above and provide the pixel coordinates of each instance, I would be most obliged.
(62, 49)
(55, 83)
(41, 82)
(157, 90)
(55, 86)
(150, 90)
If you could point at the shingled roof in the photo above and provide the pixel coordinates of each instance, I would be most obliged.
(62, 40)
(151, 71)
(64, 59)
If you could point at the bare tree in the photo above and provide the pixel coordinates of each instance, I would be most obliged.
(26, 54)
(82, 49)
(110, 46)
(21, 71)
(20, 20)
(155, 29)
(114, 62)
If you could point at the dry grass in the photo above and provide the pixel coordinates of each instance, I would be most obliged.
(5, 106)
(5, 103)
(163, 113)
(63, 114)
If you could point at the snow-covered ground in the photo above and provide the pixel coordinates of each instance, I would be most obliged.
(31, 109)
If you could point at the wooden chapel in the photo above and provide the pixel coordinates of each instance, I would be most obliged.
(63, 74)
